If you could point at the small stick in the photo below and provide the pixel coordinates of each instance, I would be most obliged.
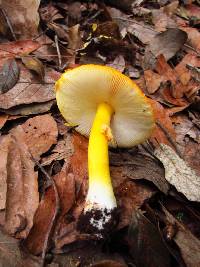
(58, 51)
(57, 209)
(8, 23)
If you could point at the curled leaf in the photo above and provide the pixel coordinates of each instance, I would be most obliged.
(35, 65)
(9, 75)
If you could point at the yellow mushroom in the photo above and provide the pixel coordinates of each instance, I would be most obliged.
(109, 108)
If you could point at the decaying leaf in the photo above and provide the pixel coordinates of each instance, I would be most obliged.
(35, 65)
(74, 41)
(145, 242)
(30, 109)
(18, 48)
(153, 81)
(9, 75)
(141, 31)
(44, 215)
(118, 63)
(166, 43)
(137, 166)
(189, 245)
(178, 173)
(24, 17)
(4, 143)
(26, 91)
(40, 133)
(22, 195)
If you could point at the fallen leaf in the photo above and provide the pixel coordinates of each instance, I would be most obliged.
(62, 150)
(40, 133)
(137, 166)
(153, 81)
(187, 139)
(178, 173)
(163, 119)
(26, 91)
(162, 18)
(130, 196)
(9, 75)
(30, 109)
(185, 73)
(3, 120)
(18, 48)
(74, 42)
(24, 17)
(193, 37)
(145, 243)
(45, 212)
(141, 31)
(166, 43)
(118, 63)
(35, 65)
(188, 244)
(4, 146)
(22, 195)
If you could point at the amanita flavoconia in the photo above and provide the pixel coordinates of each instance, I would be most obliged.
(106, 106)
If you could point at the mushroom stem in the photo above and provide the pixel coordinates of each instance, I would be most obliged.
(100, 194)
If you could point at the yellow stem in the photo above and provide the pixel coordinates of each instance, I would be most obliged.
(98, 158)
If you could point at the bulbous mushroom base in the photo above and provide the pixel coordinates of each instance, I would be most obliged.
(98, 221)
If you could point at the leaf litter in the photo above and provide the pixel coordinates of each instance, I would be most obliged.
(43, 166)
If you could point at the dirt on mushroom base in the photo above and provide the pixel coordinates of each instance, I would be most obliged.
(101, 223)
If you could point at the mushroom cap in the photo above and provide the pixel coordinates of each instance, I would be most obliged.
(79, 92)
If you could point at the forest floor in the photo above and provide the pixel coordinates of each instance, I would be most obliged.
(43, 162)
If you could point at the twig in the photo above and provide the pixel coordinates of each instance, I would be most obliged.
(58, 51)
(57, 209)
(8, 22)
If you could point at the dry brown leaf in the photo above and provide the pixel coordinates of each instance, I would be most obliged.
(40, 133)
(130, 196)
(18, 48)
(22, 187)
(178, 173)
(187, 136)
(183, 72)
(162, 117)
(162, 18)
(27, 91)
(4, 146)
(141, 31)
(118, 63)
(30, 109)
(74, 42)
(166, 43)
(193, 37)
(35, 65)
(188, 244)
(62, 149)
(137, 166)
(3, 120)
(24, 17)
(146, 244)
(9, 75)
(153, 81)
(45, 212)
